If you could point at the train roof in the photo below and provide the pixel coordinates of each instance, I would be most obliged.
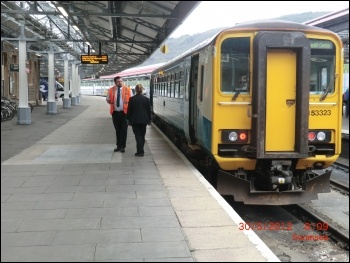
(265, 24)
(134, 71)
(273, 24)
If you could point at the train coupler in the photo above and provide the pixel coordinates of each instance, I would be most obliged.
(244, 191)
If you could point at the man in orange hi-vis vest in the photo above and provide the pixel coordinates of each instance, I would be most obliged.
(118, 98)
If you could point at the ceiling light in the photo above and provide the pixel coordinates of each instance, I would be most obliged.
(63, 12)
(76, 28)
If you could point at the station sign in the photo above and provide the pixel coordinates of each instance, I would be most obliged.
(14, 68)
(94, 59)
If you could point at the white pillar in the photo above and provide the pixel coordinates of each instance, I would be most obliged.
(66, 99)
(23, 77)
(23, 111)
(51, 103)
(51, 80)
(73, 87)
(79, 86)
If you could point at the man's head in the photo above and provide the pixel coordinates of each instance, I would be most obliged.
(118, 81)
(138, 89)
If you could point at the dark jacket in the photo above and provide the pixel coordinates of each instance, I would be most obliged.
(139, 110)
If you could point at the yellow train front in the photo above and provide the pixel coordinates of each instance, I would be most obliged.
(264, 105)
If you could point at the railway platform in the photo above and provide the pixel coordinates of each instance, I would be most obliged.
(66, 196)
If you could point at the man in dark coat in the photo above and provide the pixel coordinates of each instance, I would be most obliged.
(138, 116)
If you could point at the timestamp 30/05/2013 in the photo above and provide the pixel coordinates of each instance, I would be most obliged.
(276, 226)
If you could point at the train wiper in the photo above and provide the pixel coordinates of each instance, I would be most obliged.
(237, 93)
(325, 93)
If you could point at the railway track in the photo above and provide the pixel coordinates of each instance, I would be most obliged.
(339, 186)
(320, 224)
(335, 184)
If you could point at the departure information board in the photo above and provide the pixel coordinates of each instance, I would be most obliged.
(94, 59)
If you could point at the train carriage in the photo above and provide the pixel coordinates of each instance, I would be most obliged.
(260, 105)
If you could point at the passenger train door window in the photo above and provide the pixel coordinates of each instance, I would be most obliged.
(201, 84)
(235, 55)
(187, 84)
(322, 66)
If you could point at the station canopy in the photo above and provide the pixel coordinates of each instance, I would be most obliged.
(128, 32)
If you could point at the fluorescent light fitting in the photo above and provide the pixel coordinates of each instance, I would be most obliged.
(87, 43)
(76, 28)
(63, 12)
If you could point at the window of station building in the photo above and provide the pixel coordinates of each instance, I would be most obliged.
(235, 58)
(14, 58)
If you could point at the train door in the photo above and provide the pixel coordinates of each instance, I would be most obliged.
(280, 100)
(187, 102)
(193, 98)
(281, 74)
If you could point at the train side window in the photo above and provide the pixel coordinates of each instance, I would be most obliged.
(156, 89)
(177, 86)
(182, 89)
(170, 88)
(167, 88)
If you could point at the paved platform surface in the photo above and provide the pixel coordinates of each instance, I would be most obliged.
(66, 196)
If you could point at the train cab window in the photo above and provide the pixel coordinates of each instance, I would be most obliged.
(322, 66)
(235, 57)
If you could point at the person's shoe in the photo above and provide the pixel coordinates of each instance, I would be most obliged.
(122, 150)
(117, 149)
(139, 154)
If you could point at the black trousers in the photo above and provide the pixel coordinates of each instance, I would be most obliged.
(140, 133)
(121, 128)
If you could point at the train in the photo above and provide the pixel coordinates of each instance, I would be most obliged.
(258, 108)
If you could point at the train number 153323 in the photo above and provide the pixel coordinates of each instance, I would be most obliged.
(320, 112)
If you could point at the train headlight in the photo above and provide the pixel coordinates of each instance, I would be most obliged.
(234, 136)
(320, 136)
